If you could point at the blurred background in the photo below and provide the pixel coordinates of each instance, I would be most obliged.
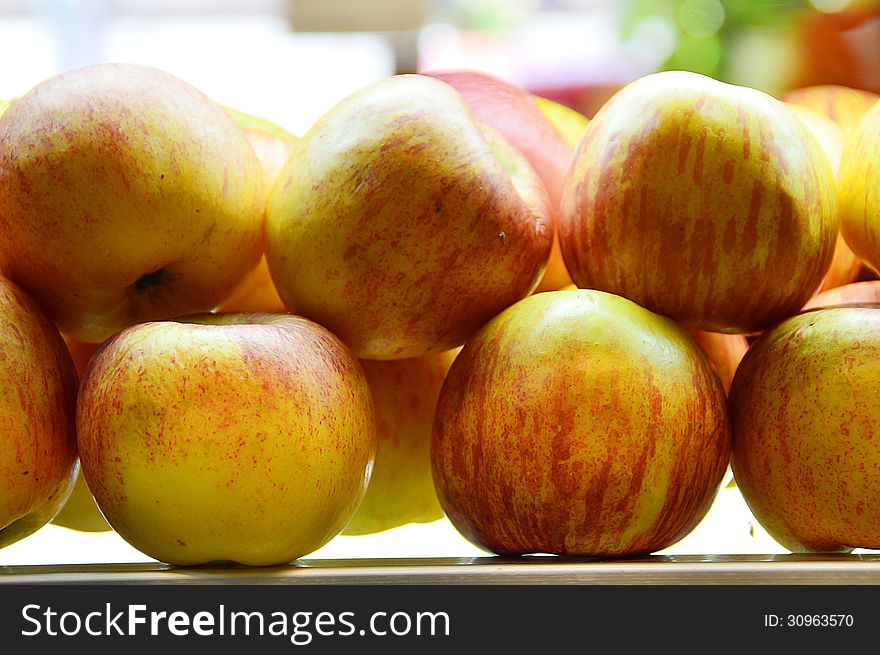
(291, 60)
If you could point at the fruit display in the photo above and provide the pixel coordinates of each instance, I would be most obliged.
(449, 298)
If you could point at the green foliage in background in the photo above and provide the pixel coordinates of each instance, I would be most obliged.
(705, 29)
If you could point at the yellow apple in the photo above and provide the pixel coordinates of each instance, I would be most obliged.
(842, 104)
(273, 146)
(578, 423)
(126, 195)
(858, 187)
(37, 417)
(845, 266)
(569, 122)
(402, 224)
(703, 201)
(233, 437)
(401, 488)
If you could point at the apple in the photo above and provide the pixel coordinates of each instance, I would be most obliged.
(37, 417)
(569, 122)
(3, 105)
(806, 414)
(79, 511)
(842, 104)
(402, 224)
(725, 352)
(528, 125)
(858, 188)
(578, 423)
(401, 489)
(273, 146)
(233, 437)
(845, 266)
(702, 201)
(127, 195)
(854, 293)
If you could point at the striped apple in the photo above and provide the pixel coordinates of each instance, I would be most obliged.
(578, 423)
(527, 123)
(842, 104)
(805, 413)
(702, 201)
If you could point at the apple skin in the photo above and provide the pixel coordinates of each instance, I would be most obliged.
(842, 104)
(526, 125)
(79, 511)
(401, 489)
(806, 416)
(37, 417)
(702, 201)
(578, 423)
(243, 438)
(858, 188)
(273, 146)
(725, 352)
(845, 266)
(848, 294)
(400, 227)
(128, 196)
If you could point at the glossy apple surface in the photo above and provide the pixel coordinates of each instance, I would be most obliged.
(845, 266)
(529, 126)
(858, 188)
(806, 414)
(402, 224)
(578, 423)
(127, 195)
(37, 417)
(725, 352)
(702, 201)
(842, 104)
(244, 438)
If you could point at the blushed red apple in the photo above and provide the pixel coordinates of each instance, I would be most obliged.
(578, 423)
(37, 417)
(527, 125)
(402, 224)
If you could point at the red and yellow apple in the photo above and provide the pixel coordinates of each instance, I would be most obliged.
(402, 224)
(539, 129)
(725, 352)
(842, 104)
(845, 266)
(401, 488)
(578, 423)
(705, 202)
(37, 417)
(858, 188)
(805, 411)
(127, 195)
(848, 294)
(273, 146)
(233, 437)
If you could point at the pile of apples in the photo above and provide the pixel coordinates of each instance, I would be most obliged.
(448, 297)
